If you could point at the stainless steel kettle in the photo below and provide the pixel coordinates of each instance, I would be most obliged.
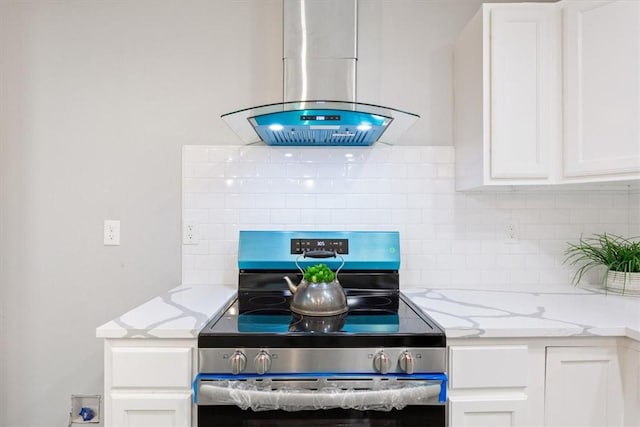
(318, 299)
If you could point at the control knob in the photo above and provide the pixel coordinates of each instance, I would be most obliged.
(262, 362)
(381, 362)
(238, 362)
(406, 362)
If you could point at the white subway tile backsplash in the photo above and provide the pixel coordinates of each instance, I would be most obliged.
(195, 185)
(252, 216)
(284, 216)
(224, 185)
(406, 216)
(240, 200)
(204, 200)
(287, 186)
(448, 238)
(582, 216)
(634, 214)
(268, 200)
(208, 170)
(537, 232)
(445, 171)
(361, 200)
(240, 170)
(391, 171)
(210, 231)
(301, 170)
(422, 170)
(196, 277)
(312, 217)
(436, 154)
(299, 201)
(524, 277)
(224, 216)
(198, 216)
(392, 201)
(571, 201)
(613, 215)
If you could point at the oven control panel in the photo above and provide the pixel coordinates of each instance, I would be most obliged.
(295, 360)
(300, 246)
(278, 250)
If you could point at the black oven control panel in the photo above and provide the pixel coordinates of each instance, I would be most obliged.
(300, 246)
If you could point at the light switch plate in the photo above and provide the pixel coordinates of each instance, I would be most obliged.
(111, 232)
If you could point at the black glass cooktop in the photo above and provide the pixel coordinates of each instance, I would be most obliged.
(264, 319)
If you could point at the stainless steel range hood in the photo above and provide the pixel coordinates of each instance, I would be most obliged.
(320, 108)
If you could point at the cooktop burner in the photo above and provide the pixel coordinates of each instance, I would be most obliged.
(389, 320)
(358, 301)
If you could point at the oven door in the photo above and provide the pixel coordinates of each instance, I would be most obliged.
(295, 400)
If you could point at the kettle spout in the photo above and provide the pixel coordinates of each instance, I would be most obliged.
(292, 287)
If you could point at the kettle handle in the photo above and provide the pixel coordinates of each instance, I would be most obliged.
(319, 253)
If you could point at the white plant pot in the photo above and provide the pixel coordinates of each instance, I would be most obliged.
(624, 283)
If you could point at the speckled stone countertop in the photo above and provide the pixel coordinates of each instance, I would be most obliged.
(550, 311)
(558, 311)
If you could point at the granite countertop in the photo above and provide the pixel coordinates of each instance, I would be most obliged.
(558, 311)
(550, 311)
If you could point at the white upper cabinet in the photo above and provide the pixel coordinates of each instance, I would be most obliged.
(523, 91)
(602, 89)
(507, 96)
(548, 93)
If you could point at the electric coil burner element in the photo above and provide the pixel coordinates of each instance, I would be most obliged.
(382, 360)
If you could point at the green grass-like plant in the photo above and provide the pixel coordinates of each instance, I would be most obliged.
(613, 252)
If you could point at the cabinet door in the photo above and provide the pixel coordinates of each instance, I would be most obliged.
(508, 411)
(150, 409)
(583, 387)
(602, 88)
(525, 90)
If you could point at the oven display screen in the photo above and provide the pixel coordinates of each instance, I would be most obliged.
(341, 246)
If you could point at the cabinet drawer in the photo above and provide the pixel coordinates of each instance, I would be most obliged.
(151, 367)
(487, 367)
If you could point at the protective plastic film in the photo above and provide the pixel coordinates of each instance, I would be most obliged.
(380, 394)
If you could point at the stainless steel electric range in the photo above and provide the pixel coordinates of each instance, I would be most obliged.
(381, 363)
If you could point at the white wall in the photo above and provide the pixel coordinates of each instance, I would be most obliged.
(448, 239)
(96, 101)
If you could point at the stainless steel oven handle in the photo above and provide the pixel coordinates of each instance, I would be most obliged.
(310, 399)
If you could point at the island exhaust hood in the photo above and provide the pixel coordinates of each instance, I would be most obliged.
(319, 108)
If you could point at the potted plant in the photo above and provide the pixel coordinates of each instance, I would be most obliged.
(618, 255)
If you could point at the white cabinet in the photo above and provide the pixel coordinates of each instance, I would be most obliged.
(507, 100)
(548, 94)
(583, 387)
(150, 409)
(507, 411)
(551, 382)
(602, 89)
(488, 385)
(630, 360)
(148, 382)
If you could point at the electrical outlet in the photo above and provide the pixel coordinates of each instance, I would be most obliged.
(111, 232)
(512, 233)
(190, 234)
